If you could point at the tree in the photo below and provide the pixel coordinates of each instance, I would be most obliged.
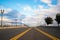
(57, 19)
(48, 20)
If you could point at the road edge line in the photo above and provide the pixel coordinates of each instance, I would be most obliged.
(47, 34)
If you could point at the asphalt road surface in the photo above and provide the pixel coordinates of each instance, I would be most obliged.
(6, 34)
(52, 30)
(26, 34)
(34, 35)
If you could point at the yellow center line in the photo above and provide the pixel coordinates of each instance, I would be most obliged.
(20, 35)
(46, 34)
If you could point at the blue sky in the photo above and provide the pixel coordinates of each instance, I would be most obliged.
(28, 9)
(14, 3)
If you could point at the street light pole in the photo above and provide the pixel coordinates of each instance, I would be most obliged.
(2, 11)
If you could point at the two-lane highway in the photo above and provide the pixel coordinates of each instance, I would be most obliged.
(33, 34)
(25, 34)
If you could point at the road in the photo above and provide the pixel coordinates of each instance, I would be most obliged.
(52, 30)
(34, 35)
(27, 34)
(6, 34)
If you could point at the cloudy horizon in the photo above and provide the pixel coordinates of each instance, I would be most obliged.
(30, 12)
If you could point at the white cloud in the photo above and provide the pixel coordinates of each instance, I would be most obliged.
(30, 21)
(41, 13)
(27, 8)
(8, 10)
(35, 20)
(46, 1)
(8, 21)
(5, 19)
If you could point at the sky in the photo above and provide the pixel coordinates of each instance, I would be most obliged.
(29, 12)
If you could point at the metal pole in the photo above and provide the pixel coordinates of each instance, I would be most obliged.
(16, 22)
(2, 11)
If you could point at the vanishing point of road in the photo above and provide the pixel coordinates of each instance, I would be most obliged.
(31, 33)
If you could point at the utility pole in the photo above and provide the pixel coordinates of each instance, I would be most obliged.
(16, 22)
(2, 11)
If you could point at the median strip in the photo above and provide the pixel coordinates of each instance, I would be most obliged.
(46, 34)
(20, 35)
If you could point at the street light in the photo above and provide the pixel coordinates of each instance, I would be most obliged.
(2, 11)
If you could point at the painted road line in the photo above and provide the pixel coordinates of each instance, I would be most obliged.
(20, 35)
(47, 34)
